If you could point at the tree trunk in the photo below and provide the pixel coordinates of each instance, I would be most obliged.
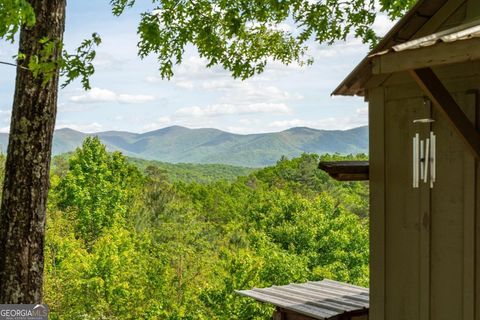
(26, 184)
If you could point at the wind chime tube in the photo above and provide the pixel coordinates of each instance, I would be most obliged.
(414, 161)
(417, 164)
(433, 170)
(432, 159)
(422, 158)
(427, 160)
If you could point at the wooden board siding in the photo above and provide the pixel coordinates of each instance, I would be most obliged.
(403, 210)
(470, 185)
(476, 280)
(447, 221)
(431, 236)
(377, 203)
(424, 222)
(473, 9)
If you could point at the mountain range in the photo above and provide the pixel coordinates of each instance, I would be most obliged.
(179, 144)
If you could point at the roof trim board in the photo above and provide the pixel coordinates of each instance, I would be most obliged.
(441, 53)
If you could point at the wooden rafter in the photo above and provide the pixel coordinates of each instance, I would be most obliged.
(443, 100)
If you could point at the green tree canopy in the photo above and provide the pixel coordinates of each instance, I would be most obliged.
(242, 36)
(187, 246)
(98, 189)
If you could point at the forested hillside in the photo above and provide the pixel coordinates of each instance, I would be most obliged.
(185, 172)
(128, 242)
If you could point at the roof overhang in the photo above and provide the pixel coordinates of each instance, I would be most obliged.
(409, 27)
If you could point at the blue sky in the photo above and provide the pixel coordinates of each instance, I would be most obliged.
(128, 94)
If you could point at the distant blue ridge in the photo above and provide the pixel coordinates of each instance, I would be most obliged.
(179, 144)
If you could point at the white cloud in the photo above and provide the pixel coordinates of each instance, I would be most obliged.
(285, 27)
(241, 130)
(340, 49)
(5, 129)
(134, 99)
(230, 109)
(362, 112)
(248, 122)
(86, 128)
(382, 24)
(95, 95)
(5, 115)
(73, 107)
(106, 61)
(247, 92)
(185, 84)
(153, 79)
(195, 68)
(193, 73)
(291, 123)
(98, 95)
(219, 84)
(360, 118)
(243, 92)
(231, 96)
(352, 46)
(158, 123)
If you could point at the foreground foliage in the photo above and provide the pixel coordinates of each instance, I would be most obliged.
(122, 244)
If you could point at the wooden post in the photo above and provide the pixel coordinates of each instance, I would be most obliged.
(443, 100)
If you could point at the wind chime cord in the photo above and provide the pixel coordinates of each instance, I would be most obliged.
(13, 65)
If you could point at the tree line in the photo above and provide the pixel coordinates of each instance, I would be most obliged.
(128, 242)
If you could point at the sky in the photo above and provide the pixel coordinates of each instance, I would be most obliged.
(128, 93)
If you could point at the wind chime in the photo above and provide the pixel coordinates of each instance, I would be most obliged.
(424, 157)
